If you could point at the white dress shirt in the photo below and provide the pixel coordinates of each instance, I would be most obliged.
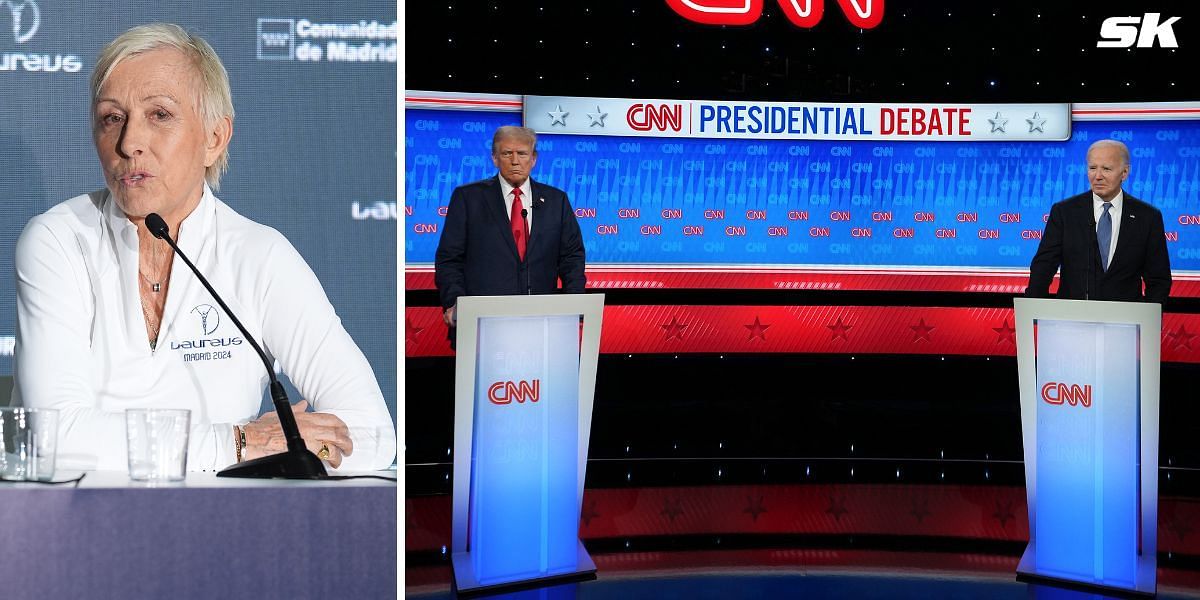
(1114, 214)
(82, 346)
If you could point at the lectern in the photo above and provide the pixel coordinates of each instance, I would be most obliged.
(1089, 377)
(525, 376)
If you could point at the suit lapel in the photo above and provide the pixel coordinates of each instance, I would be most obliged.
(504, 224)
(1087, 225)
(1128, 236)
(539, 224)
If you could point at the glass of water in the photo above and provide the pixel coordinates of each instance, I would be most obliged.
(158, 443)
(29, 437)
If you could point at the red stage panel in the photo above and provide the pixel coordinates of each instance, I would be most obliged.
(960, 511)
(1186, 285)
(673, 329)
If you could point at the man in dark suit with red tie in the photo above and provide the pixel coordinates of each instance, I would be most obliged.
(508, 234)
(1108, 243)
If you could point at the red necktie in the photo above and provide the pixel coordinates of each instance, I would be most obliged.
(518, 223)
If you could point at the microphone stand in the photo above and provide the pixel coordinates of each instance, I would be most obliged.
(1094, 249)
(528, 275)
(295, 463)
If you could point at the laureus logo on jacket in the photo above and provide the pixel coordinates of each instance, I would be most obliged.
(204, 320)
(210, 318)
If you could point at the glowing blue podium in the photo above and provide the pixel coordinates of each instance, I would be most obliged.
(525, 378)
(1089, 377)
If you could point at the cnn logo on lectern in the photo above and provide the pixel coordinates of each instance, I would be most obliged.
(1072, 394)
(504, 392)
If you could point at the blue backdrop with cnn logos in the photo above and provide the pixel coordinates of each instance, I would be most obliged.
(313, 152)
(740, 202)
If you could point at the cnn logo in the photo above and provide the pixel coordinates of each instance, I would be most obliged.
(504, 392)
(865, 14)
(1058, 393)
(644, 117)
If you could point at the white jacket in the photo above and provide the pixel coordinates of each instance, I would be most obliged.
(82, 346)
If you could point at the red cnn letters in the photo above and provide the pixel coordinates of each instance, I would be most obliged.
(504, 392)
(644, 117)
(1057, 393)
(864, 14)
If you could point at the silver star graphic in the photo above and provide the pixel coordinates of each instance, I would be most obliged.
(998, 123)
(597, 117)
(1036, 123)
(558, 116)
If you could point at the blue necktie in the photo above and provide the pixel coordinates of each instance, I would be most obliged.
(1104, 235)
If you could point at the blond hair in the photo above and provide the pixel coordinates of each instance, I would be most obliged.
(214, 99)
(514, 132)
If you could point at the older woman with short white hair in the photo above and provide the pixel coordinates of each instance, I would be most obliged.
(109, 319)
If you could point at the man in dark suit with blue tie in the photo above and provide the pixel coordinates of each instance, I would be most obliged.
(508, 234)
(1108, 243)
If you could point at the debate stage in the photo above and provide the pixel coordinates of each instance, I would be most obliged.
(877, 540)
(809, 478)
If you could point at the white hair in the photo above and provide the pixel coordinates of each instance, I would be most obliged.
(1120, 146)
(214, 99)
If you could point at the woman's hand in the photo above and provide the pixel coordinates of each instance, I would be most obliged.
(264, 436)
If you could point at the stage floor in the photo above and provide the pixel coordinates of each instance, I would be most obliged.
(790, 573)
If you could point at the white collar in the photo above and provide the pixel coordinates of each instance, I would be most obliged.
(196, 224)
(1098, 202)
(118, 221)
(506, 188)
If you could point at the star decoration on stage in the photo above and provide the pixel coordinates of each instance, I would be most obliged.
(1180, 338)
(757, 330)
(588, 513)
(920, 510)
(1036, 123)
(755, 507)
(921, 331)
(597, 117)
(1004, 513)
(672, 508)
(674, 329)
(998, 123)
(558, 115)
(411, 331)
(837, 507)
(1179, 527)
(1005, 333)
(839, 330)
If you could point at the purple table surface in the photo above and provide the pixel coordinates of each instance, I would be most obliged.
(201, 538)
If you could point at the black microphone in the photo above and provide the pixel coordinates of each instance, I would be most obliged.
(528, 277)
(297, 462)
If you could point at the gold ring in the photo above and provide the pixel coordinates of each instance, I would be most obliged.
(323, 453)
